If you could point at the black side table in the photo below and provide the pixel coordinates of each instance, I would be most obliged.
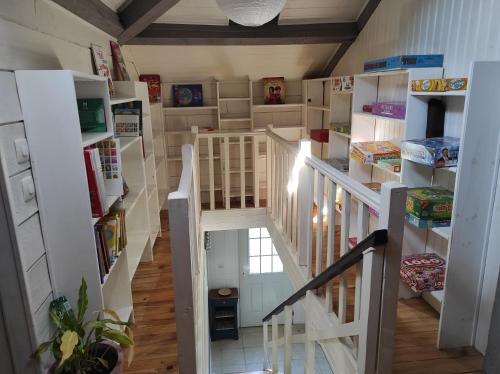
(223, 314)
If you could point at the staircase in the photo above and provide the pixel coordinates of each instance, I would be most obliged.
(349, 293)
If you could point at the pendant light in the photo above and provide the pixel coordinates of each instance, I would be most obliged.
(251, 12)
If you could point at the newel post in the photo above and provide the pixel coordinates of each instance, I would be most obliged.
(305, 195)
(391, 217)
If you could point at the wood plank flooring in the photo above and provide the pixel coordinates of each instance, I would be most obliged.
(155, 331)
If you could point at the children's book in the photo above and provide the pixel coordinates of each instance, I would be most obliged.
(118, 62)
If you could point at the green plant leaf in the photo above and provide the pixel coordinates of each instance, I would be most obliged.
(131, 349)
(118, 337)
(41, 349)
(83, 300)
(69, 341)
(103, 362)
(55, 319)
(113, 314)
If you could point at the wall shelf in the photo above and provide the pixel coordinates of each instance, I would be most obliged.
(189, 108)
(377, 117)
(445, 93)
(90, 138)
(122, 99)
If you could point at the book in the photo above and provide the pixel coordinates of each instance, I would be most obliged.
(109, 152)
(95, 181)
(154, 86)
(274, 90)
(101, 66)
(119, 67)
(187, 95)
(371, 152)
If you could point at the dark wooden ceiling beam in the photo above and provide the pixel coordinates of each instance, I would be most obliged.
(268, 34)
(139, 14)
(95, 13)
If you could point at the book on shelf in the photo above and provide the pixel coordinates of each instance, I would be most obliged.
(111, 239)
(127, 122)
(95, 181)
(109, 152)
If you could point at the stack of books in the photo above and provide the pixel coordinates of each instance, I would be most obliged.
(111, 240)
(95, 180)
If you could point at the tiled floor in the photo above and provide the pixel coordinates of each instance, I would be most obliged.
(246, 354)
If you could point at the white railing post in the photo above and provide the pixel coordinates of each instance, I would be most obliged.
(256, 177)
(305, 192)
(265, 364)
(211, 172)
(370, 311)
(344, 247)
(320, 185)
(269, 145)
(227, 182)
(242, 171)
(288, 339)
(310, 343)
(391, 217)
(330, 251)
(274, 337)
(362, 232)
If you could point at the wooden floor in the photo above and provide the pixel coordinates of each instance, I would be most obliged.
(155, 335)
(154, 331)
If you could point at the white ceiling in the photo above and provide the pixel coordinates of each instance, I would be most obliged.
(206, 12)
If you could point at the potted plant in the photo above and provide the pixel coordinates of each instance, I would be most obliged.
(86, 347)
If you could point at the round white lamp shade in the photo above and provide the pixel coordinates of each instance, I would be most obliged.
(251, 12)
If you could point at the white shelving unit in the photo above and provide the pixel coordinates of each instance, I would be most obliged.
(228, 106)
(56, 146)
(145, 165)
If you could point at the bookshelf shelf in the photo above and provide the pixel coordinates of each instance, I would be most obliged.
(377, 166)
(126, 142)
(443, 232)
(122, 99)
(323, 108)
(342, 134)
(189, 108)
(376, 117)
(222, 99)
(130, 201)
(439, 94)
(135, 247)
(90, 138)
(265, 107)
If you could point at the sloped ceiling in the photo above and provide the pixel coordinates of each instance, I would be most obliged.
(192, 63)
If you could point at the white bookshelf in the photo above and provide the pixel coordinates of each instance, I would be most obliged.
(56, 147)
(138, 91)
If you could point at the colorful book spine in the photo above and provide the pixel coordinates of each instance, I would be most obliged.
(93, 184)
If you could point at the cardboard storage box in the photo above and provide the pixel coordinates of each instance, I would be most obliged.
(429, 203)
(435, 152)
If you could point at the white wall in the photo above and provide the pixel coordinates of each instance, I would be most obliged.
(223, 260)
(463, 30)
(194, 63)
(39, 34)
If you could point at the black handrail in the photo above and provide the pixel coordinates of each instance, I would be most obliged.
(376, 238)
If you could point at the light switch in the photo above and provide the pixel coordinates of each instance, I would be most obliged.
(22, 151)
(28, 187)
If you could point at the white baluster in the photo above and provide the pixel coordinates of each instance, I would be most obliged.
(226, 173)
(288, 339)
(274, 322)
(320, 183)
(344, 247)
(242, 171)
(211, 172)
(266, 346)
(256, 176)
(330, 250)
(362, 232)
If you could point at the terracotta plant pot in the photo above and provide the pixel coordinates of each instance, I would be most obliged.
(111, 352)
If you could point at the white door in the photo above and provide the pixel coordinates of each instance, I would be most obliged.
(490, 278)
(263, 284)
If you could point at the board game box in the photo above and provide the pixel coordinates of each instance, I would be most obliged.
(429, 203)
(423, 272)
(274, 90)
(395, 110)
(392, 165)
(435, 152)
(427, 223)
(91, 114)
(404, 62)
(371, 152)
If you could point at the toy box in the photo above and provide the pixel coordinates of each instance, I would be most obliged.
(342, 128)
(404, 62)
(320, 135)
(435, 152)
(455, 84)
(423, 272)
(370, 152)
(187, 95)
(427, 223)
(431, 85)
(274, 90)
(429, 203)
(91, 114)
(392, 165)
(395, 110)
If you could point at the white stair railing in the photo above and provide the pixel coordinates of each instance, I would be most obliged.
(298, 184)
